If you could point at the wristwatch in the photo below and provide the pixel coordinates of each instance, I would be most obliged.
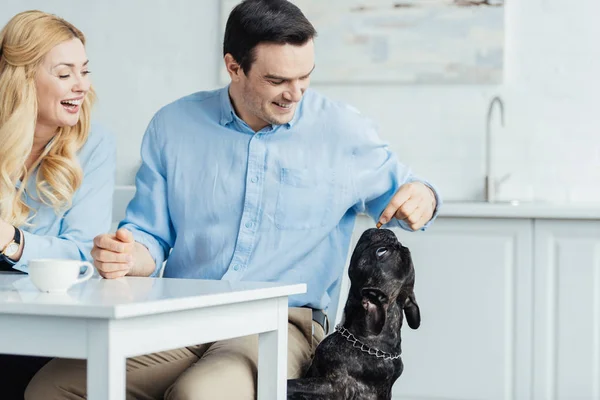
(11, 249)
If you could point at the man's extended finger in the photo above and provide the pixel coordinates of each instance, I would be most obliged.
(401, 196)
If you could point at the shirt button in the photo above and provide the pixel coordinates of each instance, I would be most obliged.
(236, 267)
(254, 179)
(249, 224)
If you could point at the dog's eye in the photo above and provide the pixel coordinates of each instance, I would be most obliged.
(380, 251)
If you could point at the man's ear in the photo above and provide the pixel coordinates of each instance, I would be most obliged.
(411, 311)
(233, 68)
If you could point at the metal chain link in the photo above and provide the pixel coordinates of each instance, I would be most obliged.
(363, 347)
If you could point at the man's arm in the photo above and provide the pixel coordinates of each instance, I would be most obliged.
(386, 189)
(146, 235)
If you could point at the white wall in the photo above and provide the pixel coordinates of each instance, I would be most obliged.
(147, 53)
(143, 54)
(552, 139)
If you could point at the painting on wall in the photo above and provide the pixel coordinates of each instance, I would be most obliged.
(404, 41)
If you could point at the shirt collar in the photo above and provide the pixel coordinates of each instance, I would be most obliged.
(228, 113)
(293, 120)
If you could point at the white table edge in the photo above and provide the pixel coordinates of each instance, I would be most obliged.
(132, 310)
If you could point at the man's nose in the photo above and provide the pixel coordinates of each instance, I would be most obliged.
(295, 92)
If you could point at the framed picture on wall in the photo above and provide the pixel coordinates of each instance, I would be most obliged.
(403, 41)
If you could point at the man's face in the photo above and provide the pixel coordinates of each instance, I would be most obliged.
(272, 88)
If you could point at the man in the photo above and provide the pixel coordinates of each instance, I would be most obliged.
(261, 180)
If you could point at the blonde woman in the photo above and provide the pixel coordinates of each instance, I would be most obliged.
(56, 169)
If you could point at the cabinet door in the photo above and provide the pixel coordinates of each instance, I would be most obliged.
(473, 285)
(567, 310)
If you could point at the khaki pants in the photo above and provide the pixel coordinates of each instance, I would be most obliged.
(213, 371)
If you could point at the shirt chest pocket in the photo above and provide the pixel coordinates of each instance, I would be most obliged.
(305, 198)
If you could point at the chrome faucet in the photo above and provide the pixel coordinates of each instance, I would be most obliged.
(491, 185)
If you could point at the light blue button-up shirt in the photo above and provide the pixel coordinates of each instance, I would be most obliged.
(223, 202)
(70, 234)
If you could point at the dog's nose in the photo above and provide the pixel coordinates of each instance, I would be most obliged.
(371, 231)
(384, 235)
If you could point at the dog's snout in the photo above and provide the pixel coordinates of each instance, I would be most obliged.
(379, 235)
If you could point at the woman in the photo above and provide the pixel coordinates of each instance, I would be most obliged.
(56, 170)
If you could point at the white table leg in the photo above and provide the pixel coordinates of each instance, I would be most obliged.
(272, 358)
(105, 364)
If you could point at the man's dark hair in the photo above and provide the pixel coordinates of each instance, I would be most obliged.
(264, 21)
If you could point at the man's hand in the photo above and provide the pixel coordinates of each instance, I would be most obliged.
(414, 203)
(114, 254)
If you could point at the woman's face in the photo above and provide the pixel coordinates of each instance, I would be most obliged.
(62, 82)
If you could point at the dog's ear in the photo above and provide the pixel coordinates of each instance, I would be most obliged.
(411, 311)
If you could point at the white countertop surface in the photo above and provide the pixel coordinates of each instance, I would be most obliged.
(588, 211)
(131, 296)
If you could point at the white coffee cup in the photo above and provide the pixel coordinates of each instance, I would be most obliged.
(54, 275)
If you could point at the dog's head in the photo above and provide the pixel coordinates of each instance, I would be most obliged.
(382, 278)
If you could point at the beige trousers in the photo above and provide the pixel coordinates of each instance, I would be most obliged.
(224, 370)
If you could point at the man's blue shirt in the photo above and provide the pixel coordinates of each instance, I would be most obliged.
(219, 201)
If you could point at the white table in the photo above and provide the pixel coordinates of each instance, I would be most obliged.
(106, 321)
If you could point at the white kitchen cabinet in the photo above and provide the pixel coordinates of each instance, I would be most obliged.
(566, 349)
(473, 285)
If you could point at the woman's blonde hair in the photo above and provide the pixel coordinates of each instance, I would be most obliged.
(24, 42)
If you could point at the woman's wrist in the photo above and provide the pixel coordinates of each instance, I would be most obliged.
(7, 233)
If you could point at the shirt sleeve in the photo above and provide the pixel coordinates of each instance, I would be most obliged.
(377, 176)
(90, 213)
(147, 215)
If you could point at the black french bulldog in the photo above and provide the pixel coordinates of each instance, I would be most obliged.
(361, 359)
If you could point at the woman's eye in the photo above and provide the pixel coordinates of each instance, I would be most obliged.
(380, 251)
(63, 76)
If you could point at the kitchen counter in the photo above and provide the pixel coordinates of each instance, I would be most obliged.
(458, 209)
(526, 210)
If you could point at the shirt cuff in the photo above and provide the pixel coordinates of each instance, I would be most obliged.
(153, 246)
(37, 246)
(438, 204)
